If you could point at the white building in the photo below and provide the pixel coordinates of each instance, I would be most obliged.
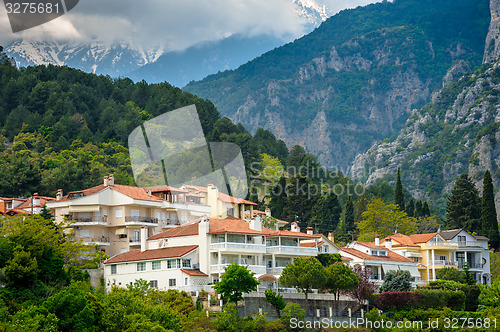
(203, 248)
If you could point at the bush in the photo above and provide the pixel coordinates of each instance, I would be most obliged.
(396, 281)
(398, 300)
(440, 298)
(292, 310)
(471, 291)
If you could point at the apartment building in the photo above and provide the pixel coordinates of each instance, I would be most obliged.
(192, 256)
(379, 260)
(110, 216)
(30, 205)
(450, 248)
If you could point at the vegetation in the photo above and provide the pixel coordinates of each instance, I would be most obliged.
(235, 281)
(463, 209)
(396, 281)
(489, 221)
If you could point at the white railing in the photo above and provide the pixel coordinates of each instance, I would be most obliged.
(196, 288)
(140, 220)
(238, 246)
(99, 240)
(442, 244)
(292, 250)
(275, 270)
(463, 244)
(443, 262)
(258, 269)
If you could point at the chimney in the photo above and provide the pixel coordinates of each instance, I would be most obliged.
(256, 224)
(295, 227)
(330, 237)
(150, 193)
(144, 235)
(309, 230)
(377, 240)
(59, 194)
(106, 181)
(212, 201)
(111, 179)
(388, 243)
(268, 212)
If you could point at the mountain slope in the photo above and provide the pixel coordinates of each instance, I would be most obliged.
(458, 132)
(355, 78)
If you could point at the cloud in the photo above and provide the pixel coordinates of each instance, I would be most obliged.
(174, 25)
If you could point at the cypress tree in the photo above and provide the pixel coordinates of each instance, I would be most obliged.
(425, 210)
(410, 208)
(399, 198)
(489, 221)
(299, 201)
(278, 199)
(463, 209)
(419, 209)
(350, 227)
(326, 213)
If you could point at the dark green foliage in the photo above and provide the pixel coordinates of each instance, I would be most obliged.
(276, 300)
(326, 213)
(425, 210)
(396, 281)
(340, 278)
(278, 199)
(489, 223)
(346, 230)
(410, 208)
(402, 300)
(440, 298)
(300, 200)
(399, 198)
(329, 259)
(463, 209)
(469, 276)
(452, 274)
(419, 209)
(471, 292)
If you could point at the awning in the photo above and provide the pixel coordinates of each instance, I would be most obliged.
(388, 268)
(413, 271)
(413, 254)
(121, 231)
(89, 208)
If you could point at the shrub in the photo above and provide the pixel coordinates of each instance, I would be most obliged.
(471, 291)
(439, 298)
(292, 310)
(398, 300)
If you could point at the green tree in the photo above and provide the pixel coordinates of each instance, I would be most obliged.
(328, 259)
(300, 200)
(425, 210)
(396, 281)
(419, 209)
(366, 286)
(276, 300)
(495, 265)
(326, 213)
(469, 276)
(489, 221)
(463, 209)
(384, 220)
(399, 198)
(305, 274)
(236, 281)
(278, 199)
(450, 273)
(347, 227)
(340, 278)
(410, 207)
(45, 213)
(490, 296)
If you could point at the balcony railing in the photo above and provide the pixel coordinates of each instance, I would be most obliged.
(170, 223)
(258, 269)
(443, 262)
(442, 244)
(292, 250)
(275, 270)
(472, 265)
(464, 244)
(93, 220)
(140, 220)
(99, 240)
(238, 246)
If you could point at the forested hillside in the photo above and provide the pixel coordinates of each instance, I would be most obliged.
(354, 79)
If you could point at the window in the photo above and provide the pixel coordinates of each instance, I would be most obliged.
(113, 269)
(156, 265)
(230, 212)
(172, 282)
(186, 281)
(141, 266)
(462, 238)
(118, 213)
(84, 233)
(186, 263)
(153, 284)
(172, 264)
(326, 249)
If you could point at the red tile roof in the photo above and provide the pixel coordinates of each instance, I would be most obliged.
(194, 273)
(402, 240)
(231, 225)
(272, 233)
(370, 245)
(130, 191)
(156, 189)
(138, 255)
(188, 229)
(311, 244)
(391, 256)
(422, 238)
(43, 200)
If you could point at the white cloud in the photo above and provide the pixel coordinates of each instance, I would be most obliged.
(174, 24)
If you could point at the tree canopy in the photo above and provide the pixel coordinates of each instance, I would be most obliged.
(236, 281)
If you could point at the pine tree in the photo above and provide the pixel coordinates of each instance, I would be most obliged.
(425, 210)
(410, 208)
(489, 221)
(399, 198)
(278, 199)
(299, 201)
(463, 209)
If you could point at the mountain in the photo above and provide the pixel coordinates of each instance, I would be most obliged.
(93, 57)
(356, 78)
(156, 64)
(457, 132)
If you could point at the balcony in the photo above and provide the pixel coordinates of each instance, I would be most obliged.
(275, 270)
(89, 221)
(134, 242)
(443, 262)
(239, 247)
(258, 269)
(140, 221)
(98, 240)
(442, 244)
(472, 265)
(467, 244)
(170, 223)
(292, 250)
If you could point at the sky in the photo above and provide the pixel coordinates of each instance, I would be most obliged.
(173, 24)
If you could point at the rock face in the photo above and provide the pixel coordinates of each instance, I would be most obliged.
(492, 47)
(335, 92)
(457, 133)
